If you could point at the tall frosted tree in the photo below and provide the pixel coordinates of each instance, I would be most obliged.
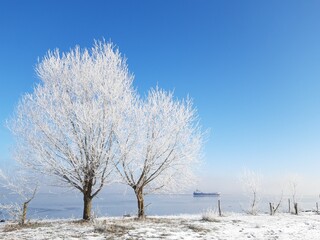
(161, 146)
(67, 126)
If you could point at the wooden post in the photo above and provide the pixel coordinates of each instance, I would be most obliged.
(270, 206)
(289, 205)
(271, 209)
(296, 208)
(219, 208)
(317, 207)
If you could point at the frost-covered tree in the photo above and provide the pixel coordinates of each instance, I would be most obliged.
(251, 182)
(66, 127)
(25, 187)
(161, 147)
(293, 183)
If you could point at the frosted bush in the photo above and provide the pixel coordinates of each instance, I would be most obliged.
(210, 215)
(13, 210)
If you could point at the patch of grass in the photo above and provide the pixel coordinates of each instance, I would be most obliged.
(159, 220)
(15, 226)
(210, 219)
(165, 235)
(81, 222)
(209, 216)
(196, 228)
(235, 221)
(114, 229)
(11, 227)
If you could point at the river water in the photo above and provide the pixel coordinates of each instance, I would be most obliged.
(69, 205)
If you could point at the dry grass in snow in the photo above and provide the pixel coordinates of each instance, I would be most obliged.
(282, 226)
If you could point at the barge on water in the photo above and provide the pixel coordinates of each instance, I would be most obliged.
(198, 193)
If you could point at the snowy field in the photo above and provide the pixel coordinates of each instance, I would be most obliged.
(233, 226)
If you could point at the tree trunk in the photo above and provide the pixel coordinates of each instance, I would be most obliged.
(295, 208)
(253, 205)
(87, 197)
(87, 204)
(271, 208)
(219, 208)
(24, 213)
(140, 200)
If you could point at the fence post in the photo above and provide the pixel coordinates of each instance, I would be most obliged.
(219, 208)
(296, 208)
(289, 205)
(271, 209)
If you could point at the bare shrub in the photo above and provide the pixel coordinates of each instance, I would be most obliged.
(210, 216)
(251, 182)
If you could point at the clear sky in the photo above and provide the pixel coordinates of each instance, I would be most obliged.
(252, 68)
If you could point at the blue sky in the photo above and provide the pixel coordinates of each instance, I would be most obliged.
(252, 68)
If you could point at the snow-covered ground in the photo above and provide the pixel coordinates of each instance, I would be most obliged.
(232, 226)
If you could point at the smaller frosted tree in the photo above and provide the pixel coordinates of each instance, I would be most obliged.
(251, 182)
(293, 183)
(160, 147)
(25, 187)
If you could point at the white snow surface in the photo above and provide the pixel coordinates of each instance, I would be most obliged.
(232, 226)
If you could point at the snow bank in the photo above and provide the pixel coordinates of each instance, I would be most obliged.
(233, 226)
